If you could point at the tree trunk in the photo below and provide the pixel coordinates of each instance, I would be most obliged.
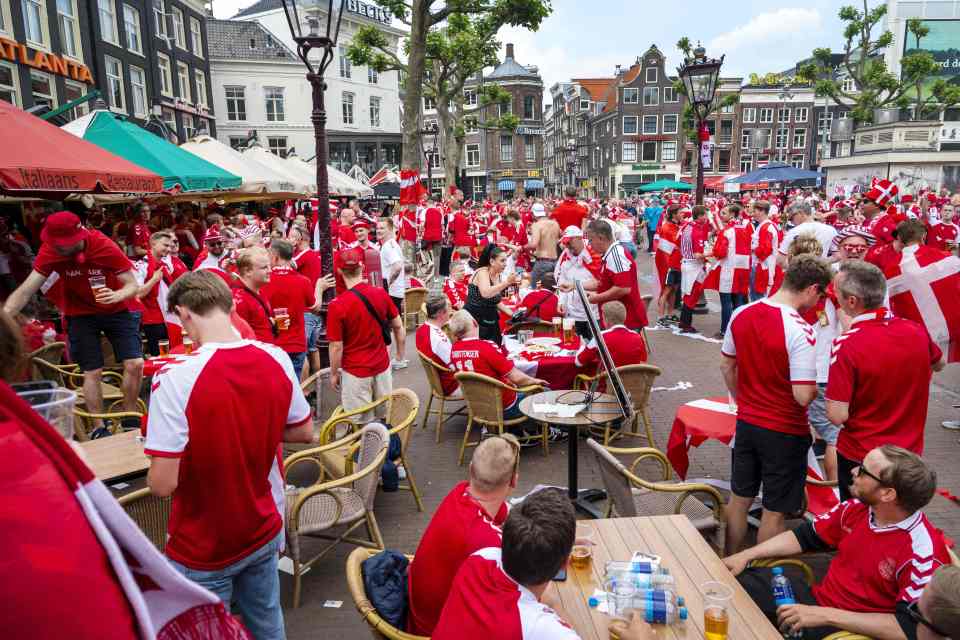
(413, 92)
(449, 120)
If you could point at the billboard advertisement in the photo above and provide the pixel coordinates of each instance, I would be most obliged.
(943, 43)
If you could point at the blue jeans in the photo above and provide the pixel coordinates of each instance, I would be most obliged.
(254, 584)
(297, 359)
(754, 295)
(311, 325)
(817, 414)
(729, 302)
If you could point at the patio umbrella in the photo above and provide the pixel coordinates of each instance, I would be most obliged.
(663, 185)
(278, 165)
(39, 160)
(340, 183)
(776, 172)
(257, 178)
(178, 168)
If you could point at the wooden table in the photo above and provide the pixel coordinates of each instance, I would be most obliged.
(602, 410)
(684, 552)
(117, 456)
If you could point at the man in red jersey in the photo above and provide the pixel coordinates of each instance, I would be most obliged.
(138, 232)
(469, 518)
(769, 366)
(232, 399)
(618, 276)
(873, 407)
(943, 235)
(212, 255)
(307, 263)
(542, 303)
(253, 265)
(569, 212)
(625, 346)
(667, 261)
(886, 552)
(432, 341)
(290, 291)
(152, 322)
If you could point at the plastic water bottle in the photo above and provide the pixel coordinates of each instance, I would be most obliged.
(658, 611)
(783, 595)
(643, 575)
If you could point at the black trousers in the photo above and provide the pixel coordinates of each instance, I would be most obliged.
(686, 316)
(756, 582)
(154, 333)
(845, 468)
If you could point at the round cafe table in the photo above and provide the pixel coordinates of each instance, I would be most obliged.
(604, 409)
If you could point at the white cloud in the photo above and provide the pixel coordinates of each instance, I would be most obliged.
(769, 41)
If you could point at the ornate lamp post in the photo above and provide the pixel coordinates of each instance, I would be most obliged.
(786, 95)
(572, 160)
(700, 76)
(434, 133)
(318, 29)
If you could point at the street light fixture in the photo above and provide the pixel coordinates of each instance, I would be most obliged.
(572, 160)
(318, 29)
(786, 94)
(434, 132)
(700, 76)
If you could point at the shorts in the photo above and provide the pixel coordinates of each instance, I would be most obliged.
(771, 459)
(312, 327)
(356, 392)
(673, 278)
(122, 330)
(817, 415)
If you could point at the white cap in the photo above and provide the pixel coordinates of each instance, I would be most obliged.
(538, 209)
(572, 231)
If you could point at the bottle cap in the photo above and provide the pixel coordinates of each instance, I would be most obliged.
(680, 601)
(683, 613)
(778, 571)
(593, 602)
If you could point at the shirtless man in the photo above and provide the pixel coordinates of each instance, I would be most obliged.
(545, 234)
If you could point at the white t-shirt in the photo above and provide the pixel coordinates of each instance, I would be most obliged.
(390, 255)
(823, 232)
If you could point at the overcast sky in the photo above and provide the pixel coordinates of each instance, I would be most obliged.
(589, 38)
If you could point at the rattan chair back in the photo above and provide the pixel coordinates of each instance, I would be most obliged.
(615, 480)
(51, 353)
(374, 439)
(413, 299)
(380, 628)
(46, 370)
(638, 381)
(432, 370)
(402, 413)
(484, 396)
(151, 513)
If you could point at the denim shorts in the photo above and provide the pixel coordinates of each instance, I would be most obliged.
(122, 330)
(817, 415)
(311, 325)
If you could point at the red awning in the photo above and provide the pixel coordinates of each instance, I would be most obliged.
(712, 182)
(38, 159)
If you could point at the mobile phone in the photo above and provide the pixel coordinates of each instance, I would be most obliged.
(561, 575)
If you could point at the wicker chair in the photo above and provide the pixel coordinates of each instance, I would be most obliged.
(413, 299)
(313, 384)
(380, 628)
(85, 422)
(402, 408)
(631, 496)
(483, 396)
(151, 513)
(537, 326)
(345, 502)
(51, 353)
(70, 377)
(433, 371)
(638, 380)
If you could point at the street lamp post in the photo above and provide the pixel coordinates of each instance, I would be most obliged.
(786, 94)
(434, 132)
(700, 76)
(572, 160)
(321, 34)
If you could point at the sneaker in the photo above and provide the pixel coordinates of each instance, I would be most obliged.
(400, 364)
(686, 328)
(673, 319)
(664, 321)
(484, 433)
(953, 425)
(401, 472)
(558, 435)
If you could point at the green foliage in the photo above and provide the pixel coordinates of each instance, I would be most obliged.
(767, 79)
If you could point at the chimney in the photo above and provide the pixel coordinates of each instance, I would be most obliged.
(509, 50)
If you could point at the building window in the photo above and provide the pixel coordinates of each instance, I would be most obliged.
(470, 125)
(649, 124)
(670, 122)
(651, 96)
(628, 151)
(723, 160)
(196, 37)
(529, 149)
(236, 103)
(584, 105)
(273, 99)
(277, 145)
(345, 68)
(800, 115)
(160, 20)
(629, 124)
(108, 20)
(189, 128)
(668, 152)
(477, 183)
(782, 134)
(849, 85)
(783, 115)
(796, 162)
(183, 81)
(346, 107)
(375, 112)
(670, 95)
(74, 91)
(473, 155)
(138, 91)
(34, 22)
(528, 113)
(824, 120)
(766, 115)
(505, 108)
(506, 148)
(169, 118)
(238, 142)
(179, 35)
(43, 89)
(470, 97)
(631, 96)
(745, 138)
(200, 83)
(372, 76)
(726, 132)
(429, 104)
(166, 77)
(651, 74)
(749, 114)
(746, 164)
(115, 96)
(131, 29)
(69, 28)
(648, 152)
(6, 23)
(799, 138)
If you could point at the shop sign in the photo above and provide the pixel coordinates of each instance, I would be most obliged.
(648, 167)
(49, 62)
(533, 173)
(366, 10)
(529, 131)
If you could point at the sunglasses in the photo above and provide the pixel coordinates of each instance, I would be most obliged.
(862, 471)
(515, 445)
(913, 610)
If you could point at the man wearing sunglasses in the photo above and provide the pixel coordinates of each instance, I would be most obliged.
(886, 553)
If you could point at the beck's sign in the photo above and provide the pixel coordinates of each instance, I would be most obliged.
(368, 10)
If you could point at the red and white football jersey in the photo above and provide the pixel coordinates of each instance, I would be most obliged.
(486, 603)
(775, 349)
(486, 358)
(731, 274)
(619, 270)
(434, 343)
(625, 347)
(765, 244)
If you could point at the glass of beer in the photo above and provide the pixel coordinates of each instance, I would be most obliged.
(568, 332)
(582, 554)
(97, 284)
(164, 348)
(282, 317)
(187, 344)
(716, 614)
(558, 328)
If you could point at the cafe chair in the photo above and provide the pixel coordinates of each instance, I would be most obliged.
(85, 422)
(413, 299)
(379, 628)
(631, 496)
(638, 380)
(433, 371)
(151, 513)
(402, 408)
(51, 353)
(313, 384)
(537, 326)
(483, 396)
(316, 510)
(70, 377)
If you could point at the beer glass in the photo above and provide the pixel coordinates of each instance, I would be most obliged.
(716, 614)
(282, 317)
(187, 345)
(164, 348)
(568, 331)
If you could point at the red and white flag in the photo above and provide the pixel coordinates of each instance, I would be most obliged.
(925, 287)
(410, 186)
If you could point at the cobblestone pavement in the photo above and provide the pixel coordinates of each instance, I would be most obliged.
(436, 471)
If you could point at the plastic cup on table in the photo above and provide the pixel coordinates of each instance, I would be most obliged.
(55, 406)
(717, 599)
(164, 348)
(581, 556)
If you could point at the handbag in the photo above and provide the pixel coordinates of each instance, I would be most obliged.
(384, 327)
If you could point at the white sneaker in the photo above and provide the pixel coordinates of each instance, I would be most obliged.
(953, 425)
(400, 364)
(401, 472)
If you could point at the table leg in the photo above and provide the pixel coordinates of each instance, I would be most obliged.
(581, 499)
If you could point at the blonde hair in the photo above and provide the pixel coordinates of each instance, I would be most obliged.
(494, 463)
(246, 257)
(944, 601)
(460, 323)
(804, 243)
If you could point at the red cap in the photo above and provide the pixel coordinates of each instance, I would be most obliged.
(347, 259)
(63, 229)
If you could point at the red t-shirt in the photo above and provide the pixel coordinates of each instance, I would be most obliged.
(348, 321)
(456, 291)
(459, 527)
(288, 289)
(308, 264)
(884, 408)
(432, 224)
(876, 567)
(569, 213)
(152, 313)
(774, 349)
(256, 310)
(547, 310)
(460, 227)
(940, 234)
(619, 270)
(100, 257)
(434, 343)
(346, 235)
(138, 235)
(486, 358)
(625, 347)
(225, 402)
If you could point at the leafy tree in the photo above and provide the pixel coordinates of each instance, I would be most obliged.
(371, 46)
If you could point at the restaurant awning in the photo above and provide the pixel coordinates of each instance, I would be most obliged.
(506, 185)
(179, 168)
(256, 177)
(340, 183)
(532, 184)
(39, 159)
